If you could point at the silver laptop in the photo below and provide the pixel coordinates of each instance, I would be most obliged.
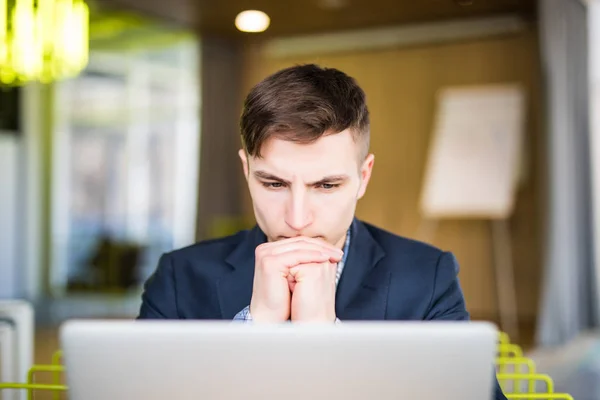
(158, 360)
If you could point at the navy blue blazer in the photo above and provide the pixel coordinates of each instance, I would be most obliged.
(386, 277)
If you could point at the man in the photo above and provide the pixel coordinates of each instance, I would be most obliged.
(305, 134)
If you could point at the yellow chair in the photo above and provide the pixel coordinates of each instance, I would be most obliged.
(513, 370)
(56, 368)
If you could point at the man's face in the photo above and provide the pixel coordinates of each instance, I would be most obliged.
(307, 189)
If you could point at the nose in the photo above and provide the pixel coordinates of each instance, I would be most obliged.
(298, 215)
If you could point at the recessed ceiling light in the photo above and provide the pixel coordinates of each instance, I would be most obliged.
(252, 21)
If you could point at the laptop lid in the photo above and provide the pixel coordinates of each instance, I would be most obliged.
(124, 360)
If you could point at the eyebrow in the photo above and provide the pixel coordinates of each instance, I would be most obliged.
(327, 179)
(270, 177)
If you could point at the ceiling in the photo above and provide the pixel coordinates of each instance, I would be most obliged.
(215, 17)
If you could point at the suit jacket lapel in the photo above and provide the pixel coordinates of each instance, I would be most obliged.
(235, 288)
(363, 287)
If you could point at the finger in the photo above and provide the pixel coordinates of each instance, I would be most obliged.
(332, 257)
(310, 266)
(295, 257)
(305, 243)
(336, 253)
(291, 283)
(310, 269)
(301, 239)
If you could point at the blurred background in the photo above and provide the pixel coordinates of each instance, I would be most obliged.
(119, 138)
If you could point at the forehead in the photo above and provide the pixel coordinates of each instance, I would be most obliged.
(333, 153)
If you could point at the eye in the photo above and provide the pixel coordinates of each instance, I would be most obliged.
(272, 185)
(329, 186)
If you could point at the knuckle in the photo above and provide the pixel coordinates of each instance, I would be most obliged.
(267, 261)
(259, 250)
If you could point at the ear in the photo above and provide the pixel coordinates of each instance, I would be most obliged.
(365, 174)
(244, 159)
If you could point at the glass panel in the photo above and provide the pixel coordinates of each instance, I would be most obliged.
(119, 175)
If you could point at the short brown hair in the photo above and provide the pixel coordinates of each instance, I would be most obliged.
(301, 104)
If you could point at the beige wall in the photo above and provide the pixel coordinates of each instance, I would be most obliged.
(400, 85)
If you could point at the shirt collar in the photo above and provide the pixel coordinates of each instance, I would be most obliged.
(346, 246)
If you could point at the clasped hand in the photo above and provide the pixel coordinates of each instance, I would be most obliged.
(295, 279)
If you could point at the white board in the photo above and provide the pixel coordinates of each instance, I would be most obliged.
(475, 153)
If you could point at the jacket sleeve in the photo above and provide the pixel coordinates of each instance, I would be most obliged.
(159, 299)
(447, 300)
